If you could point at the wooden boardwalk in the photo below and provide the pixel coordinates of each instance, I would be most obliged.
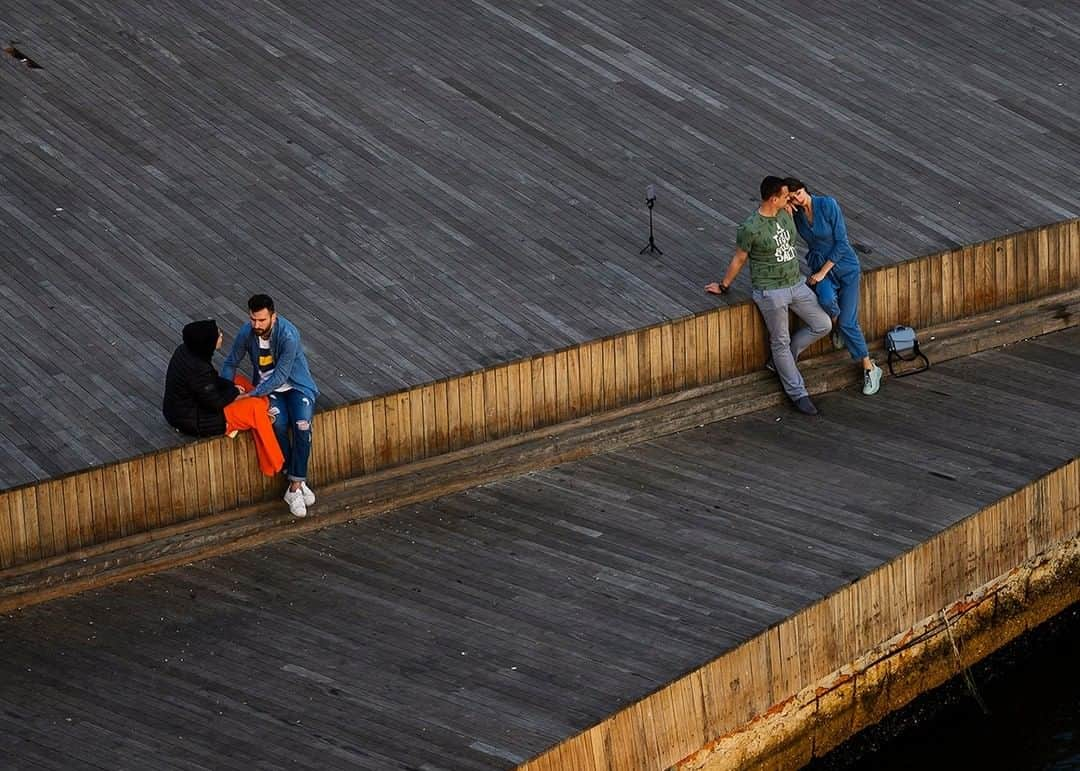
(430, 189)
(478, 630)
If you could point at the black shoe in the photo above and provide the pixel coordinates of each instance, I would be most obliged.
(805, 406)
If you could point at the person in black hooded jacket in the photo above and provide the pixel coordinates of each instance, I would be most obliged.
(195, 396)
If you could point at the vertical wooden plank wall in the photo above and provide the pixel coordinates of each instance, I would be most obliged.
(720, 697)
(53, 517)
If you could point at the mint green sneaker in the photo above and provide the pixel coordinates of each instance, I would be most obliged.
(837, 341)
(871, 380)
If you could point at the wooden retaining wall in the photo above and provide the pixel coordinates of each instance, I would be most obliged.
(759, 676)
(50, 518)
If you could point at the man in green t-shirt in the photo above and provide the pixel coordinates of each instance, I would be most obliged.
(767, 239)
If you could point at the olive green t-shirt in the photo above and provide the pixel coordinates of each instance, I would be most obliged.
(770, 244)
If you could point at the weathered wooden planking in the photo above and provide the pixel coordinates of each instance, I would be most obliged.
(397, 428)
(481, 629)
(433, 191)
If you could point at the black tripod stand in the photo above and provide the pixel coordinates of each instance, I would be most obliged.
(650, 201)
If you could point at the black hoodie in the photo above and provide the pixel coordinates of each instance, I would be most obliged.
(195, 397)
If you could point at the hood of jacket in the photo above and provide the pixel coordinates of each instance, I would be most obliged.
(200, 338)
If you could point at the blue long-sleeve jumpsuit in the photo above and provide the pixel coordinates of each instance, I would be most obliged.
(838, 293)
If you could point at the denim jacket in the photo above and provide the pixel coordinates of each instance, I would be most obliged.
(290, 364)
(827, 238)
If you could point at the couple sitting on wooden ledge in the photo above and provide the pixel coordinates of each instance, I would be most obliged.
(827, 300)
(276, 404)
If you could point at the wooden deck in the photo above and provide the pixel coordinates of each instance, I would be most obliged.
(429, 190)
(478, 630)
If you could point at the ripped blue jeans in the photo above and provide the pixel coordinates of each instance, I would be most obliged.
(291, 411)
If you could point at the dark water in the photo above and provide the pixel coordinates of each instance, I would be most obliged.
(1031, 689)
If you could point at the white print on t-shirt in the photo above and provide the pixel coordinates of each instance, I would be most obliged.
(785, 250)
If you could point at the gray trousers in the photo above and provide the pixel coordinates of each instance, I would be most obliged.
(774, 305)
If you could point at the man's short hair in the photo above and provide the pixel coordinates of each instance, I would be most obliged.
(794, 184)
(770, 186)
(259, 302)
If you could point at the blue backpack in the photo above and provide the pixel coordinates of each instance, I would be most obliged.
(902, 344)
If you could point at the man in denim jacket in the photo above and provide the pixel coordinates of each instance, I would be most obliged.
(280, 372)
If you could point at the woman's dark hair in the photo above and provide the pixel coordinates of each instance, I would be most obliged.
(794, 184)
(260, 301)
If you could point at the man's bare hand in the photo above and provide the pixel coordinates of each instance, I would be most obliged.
(716, 288)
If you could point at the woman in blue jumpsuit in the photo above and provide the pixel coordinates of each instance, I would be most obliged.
(836, 273)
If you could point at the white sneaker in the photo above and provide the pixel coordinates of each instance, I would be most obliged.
(309, 496)
(872, 380)
(295, 499)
